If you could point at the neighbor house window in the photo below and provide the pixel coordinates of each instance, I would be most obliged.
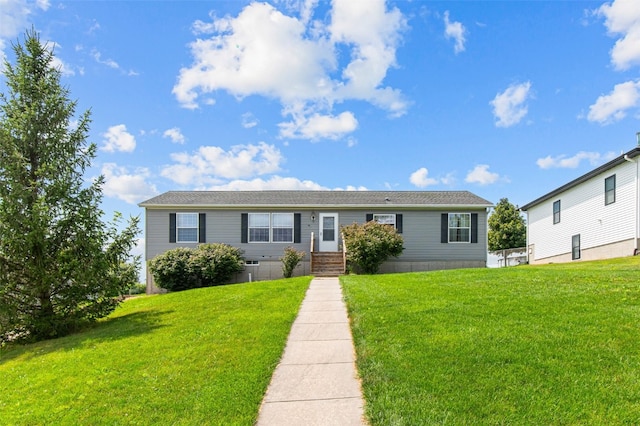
(282, 227)
(459, 227)
(556, 212)
(259, 227)
(575, 247)
(187, 227)
(385, 219)
(610, 190)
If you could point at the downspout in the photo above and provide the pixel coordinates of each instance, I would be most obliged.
(637, 201)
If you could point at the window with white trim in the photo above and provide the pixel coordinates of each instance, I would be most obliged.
(187, 227)
(385, 219)
(282, 227)
(459, 227)
(259, 227)
(271, 227)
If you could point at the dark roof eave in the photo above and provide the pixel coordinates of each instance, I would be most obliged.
(315, 206)
(615, 162)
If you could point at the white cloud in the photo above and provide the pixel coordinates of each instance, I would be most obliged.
(481, 175)
(264, 52)
(509, 107)
(456, 31)
(273, 183)
(622, 17)
(420, 178)
(561, 161)
(612, 107)
(14, 18)
(317, 126)
(248, 120)
(117, 139)
(97, 56)
(64, 68)
(129, 187)
(175, 135)
(211, 164)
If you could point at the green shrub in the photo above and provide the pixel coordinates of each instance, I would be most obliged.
(215, 264)
(290, 260)
(205, 266)
(369, 245)
(172, 269)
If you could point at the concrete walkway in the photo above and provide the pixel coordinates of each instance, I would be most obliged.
(316, 381)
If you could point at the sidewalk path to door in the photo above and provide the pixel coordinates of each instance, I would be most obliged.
(316, 382)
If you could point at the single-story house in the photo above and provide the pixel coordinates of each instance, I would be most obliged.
(595, 216)
(440, 229)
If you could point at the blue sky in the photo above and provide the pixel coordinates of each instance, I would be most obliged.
(501, 98)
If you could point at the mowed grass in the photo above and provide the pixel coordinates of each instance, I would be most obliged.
(535, 345)
(200, 357)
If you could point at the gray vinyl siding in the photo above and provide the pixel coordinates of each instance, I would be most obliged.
(421, 233)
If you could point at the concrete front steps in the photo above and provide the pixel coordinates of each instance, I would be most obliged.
(327, 264)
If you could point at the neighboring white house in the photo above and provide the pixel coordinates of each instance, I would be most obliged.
(595, 216)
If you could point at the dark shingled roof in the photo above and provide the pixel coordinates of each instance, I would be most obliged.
(312, 199)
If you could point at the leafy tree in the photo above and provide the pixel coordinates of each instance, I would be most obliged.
(61, 266)
(507, 228)
(370, 244)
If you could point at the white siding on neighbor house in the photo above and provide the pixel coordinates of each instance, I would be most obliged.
(583, 211)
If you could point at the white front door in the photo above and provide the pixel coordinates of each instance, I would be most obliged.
(328, 232)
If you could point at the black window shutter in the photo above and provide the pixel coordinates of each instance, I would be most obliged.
(172, 227)
(369, 217)
(297, 219)
(202, 228)
(244, 228)
(474, 227)
(444, 228)
(399, 223)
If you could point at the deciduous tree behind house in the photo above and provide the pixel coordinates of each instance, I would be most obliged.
(507, 228)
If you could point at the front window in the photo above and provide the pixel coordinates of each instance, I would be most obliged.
(610, 190)
(271, 227)
(385, 219)
(556, 212)
(282, 227)
(187, 227)
(258, 227)
(459, 227)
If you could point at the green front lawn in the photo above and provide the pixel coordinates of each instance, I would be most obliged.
(197, 357)
(557, 344)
